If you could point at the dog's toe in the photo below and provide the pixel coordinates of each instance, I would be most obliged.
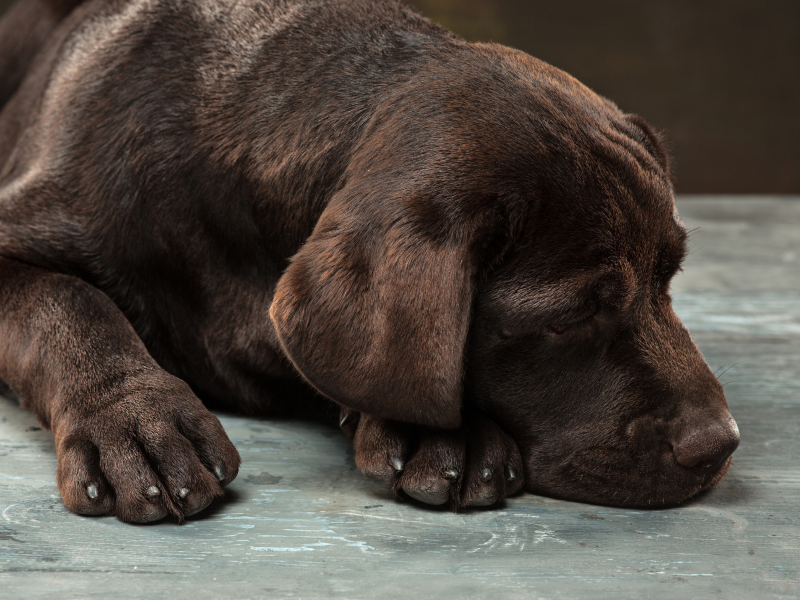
(495, 464)
(149, 514)
(436, 494)
(83, 486)
(433, 473)
(484, 493)
(381, 447)
(485, 496)
(193, 504)
(475, 465)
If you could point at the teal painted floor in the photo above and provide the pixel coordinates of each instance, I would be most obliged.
(301, 522)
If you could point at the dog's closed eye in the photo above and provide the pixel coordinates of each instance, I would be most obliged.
(560, 329)
(572, 325)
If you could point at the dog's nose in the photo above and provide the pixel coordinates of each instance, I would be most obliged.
(706, 447)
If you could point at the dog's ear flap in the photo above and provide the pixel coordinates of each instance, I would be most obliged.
(374, 310)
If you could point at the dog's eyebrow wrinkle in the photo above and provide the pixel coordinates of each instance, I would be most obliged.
(560, 299)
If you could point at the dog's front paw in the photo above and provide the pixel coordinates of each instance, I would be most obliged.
(475, 465)
(146, 450)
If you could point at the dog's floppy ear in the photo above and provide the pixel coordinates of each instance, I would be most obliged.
(374, 309)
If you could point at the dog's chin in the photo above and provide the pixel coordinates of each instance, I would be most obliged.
(670, 487)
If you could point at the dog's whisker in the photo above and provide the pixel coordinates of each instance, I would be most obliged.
(726, 370)
(693, 250)
(728, 382)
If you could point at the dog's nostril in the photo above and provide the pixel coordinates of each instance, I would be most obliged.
(706, 448)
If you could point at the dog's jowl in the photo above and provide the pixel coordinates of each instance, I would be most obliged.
(274, 204)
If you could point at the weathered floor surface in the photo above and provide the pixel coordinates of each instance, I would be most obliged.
(301, 522)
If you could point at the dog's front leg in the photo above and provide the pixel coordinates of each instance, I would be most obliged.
(132, 440)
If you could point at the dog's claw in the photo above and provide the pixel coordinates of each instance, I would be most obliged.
(398, 464)
(511, 474)
(91, 491)
(152, 491)
(486, 474)
(183, 492)
(451, 474)
(219, 471)
(345, 419)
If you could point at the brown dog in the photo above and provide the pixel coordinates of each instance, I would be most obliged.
(463, 247)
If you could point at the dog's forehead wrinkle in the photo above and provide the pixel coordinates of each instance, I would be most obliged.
(559, 297)
(634, 136)
(634, 190)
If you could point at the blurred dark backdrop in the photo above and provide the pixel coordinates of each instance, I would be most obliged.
(720, 77)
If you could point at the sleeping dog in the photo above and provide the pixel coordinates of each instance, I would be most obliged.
(272, 204)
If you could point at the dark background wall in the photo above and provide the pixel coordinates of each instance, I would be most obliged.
(720, 77)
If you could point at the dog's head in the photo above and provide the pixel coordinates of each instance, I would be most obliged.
(506, 238)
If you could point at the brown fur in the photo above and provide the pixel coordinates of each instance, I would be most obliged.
(463, 247)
